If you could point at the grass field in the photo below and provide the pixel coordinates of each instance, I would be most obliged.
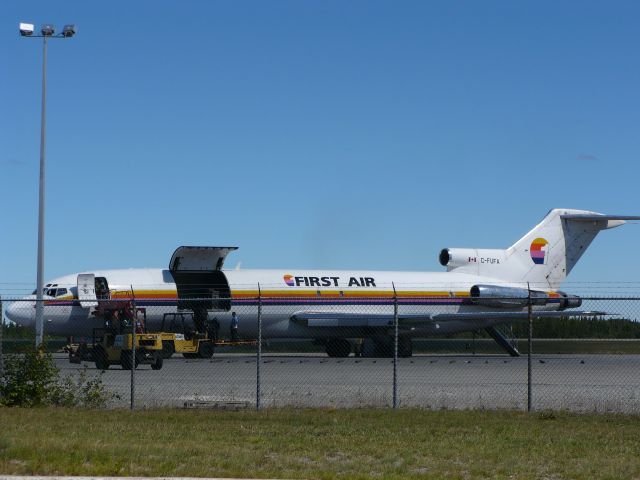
(320, 444)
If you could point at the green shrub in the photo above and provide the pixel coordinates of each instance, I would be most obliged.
(31, 379)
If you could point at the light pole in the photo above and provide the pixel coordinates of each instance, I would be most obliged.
(47, 31)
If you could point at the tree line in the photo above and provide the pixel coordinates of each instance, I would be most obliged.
(580, 327)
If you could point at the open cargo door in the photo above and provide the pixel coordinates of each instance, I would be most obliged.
(87, 290)
(199, 279)
(199, 258)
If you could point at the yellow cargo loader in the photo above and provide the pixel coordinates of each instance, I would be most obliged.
(179, 336)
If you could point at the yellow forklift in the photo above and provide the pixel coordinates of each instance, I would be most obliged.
(113, 344)
(116, 349)
(179, 335)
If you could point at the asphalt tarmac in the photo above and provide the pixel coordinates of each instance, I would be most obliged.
(603, 383)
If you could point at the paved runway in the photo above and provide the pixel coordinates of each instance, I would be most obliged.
(568, 382)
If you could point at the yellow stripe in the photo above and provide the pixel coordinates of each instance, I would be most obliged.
(347, 293)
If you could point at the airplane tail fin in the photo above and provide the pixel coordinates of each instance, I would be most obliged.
(544, 256)
(547, 254)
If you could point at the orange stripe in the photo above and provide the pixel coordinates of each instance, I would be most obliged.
(346, 294)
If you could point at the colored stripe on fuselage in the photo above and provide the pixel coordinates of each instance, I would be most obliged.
(148, 298)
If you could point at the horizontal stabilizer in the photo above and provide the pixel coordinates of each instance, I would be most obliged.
(593, 218)
(611, 220)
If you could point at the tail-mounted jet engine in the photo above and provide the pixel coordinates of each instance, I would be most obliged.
(459, 257)
(505, 297)
(569, 301)
(512, 297)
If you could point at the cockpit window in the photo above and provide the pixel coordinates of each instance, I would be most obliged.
(52, 292)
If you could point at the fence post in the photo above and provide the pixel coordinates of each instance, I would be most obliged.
(259, 355)
(529, 344)
(133, 350)
(1, 339)
(395, 347)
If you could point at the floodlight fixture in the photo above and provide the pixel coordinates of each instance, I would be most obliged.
(48, 30)
(69, 31)
(26, 29)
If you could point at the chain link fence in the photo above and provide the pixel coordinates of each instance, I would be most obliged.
(390, 353)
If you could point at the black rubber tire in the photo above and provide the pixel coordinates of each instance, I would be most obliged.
(125, 359)
(168, 349)
(139, 357)
(100, 357)
(205, 350)
(383, 346)
(338, 347)
(157, 363)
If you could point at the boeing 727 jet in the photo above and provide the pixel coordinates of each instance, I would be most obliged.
(480, 289)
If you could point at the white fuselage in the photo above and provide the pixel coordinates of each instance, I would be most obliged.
(280, 294)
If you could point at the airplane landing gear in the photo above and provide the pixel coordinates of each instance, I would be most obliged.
(338, 347)
(383, 347)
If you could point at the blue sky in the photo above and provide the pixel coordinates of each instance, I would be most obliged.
(362, 134)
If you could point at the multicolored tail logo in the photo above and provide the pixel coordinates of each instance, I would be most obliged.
(288, 279)
(538, 250)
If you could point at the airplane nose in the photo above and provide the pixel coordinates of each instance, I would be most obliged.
(22, 312)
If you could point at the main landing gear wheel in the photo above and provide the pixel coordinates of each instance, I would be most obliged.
(338, 347)
(383, 347)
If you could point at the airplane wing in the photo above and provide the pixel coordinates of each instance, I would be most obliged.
(385, 320)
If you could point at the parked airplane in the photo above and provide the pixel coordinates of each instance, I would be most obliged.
(481, 289)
